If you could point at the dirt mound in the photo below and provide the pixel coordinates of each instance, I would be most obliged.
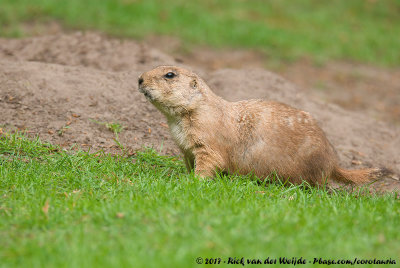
(83, 49)
(66, 87)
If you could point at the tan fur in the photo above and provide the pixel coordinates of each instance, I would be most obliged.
(252, 136)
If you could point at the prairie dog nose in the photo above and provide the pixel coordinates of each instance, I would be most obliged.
(140, 80)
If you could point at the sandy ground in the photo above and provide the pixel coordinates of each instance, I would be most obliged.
(61, 86)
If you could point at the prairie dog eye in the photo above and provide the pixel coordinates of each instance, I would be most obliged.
(169, 75)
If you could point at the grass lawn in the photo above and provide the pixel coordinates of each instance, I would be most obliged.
(78, 209)
(359, 30)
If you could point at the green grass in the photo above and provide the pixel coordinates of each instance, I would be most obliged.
(359, 30)
(78, 209)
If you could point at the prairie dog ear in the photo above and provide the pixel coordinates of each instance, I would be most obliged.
(193, 83)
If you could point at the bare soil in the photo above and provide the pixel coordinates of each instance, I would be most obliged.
(65, 87)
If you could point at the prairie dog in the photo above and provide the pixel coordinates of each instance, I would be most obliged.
(252, 136)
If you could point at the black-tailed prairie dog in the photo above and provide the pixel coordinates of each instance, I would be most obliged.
(252, 136)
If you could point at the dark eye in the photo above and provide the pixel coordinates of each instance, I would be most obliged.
(169, 75)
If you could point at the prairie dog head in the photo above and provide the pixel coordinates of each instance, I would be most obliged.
(171, 89)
